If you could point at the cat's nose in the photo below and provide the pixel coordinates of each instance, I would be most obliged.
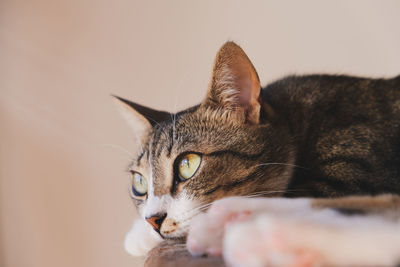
(156, 220)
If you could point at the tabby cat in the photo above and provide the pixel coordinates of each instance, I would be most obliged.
(315, 136)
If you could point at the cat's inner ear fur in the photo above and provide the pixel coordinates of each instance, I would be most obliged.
(234, 83)
(140, 118)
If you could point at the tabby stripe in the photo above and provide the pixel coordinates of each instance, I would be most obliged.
(363, 163)
(171, 143)
(237, 154)
(140, 157)
(352, 185)
(234, 184)
(334, 183)
(212, 190)
(156, 140)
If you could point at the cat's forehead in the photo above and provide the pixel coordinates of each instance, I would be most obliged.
(195, 129)
(161, 139)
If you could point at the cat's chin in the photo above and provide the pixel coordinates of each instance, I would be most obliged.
(175, 228)
(181, 238)
(178, 235)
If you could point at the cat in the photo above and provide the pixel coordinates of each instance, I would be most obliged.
(313, 136)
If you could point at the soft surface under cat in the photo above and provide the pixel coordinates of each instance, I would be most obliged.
(303, 141)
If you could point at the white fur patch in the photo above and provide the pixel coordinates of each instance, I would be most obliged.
(141, 238)
(156, 205)
(179, 210)
(182, 208)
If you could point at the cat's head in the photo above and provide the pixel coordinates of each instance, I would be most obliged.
(227, 145)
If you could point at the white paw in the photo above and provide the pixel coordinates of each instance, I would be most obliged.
(268, 241)
(141, 238)
(207, 230)
(323, 238)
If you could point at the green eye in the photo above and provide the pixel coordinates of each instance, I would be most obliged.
(189, 165)
(139, 184)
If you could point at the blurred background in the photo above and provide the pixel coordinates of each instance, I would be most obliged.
(63, 191)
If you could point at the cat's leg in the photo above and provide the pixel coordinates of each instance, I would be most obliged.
(206, 230)
(206, 235)
(324, 238)
(261, 242)
(141, 238)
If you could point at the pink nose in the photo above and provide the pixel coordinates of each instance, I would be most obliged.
(156, 220)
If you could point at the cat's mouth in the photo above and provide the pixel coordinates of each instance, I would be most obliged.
(175, 221)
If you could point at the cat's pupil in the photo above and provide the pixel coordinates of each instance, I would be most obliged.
(185, 163)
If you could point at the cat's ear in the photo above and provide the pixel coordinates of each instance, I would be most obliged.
(141, 119)
(234, 83)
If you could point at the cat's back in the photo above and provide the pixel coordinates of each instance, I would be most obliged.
(347, 130)
(335, 100)
(339, 91)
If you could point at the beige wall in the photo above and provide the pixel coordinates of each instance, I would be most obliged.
(63, 192)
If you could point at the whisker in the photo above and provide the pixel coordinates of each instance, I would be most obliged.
(269, 192)
(184, 224)
(183, 230)
(159, 126)
(202, 207)
(188, 218)
(180, 84)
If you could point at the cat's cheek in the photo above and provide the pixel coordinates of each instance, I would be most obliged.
(141, 238)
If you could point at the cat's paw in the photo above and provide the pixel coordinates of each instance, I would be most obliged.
(207, 230)
(323, 238)
(141, 238)
(268, 241)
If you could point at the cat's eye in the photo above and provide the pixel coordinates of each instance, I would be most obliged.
(139, 184)
(188, 165)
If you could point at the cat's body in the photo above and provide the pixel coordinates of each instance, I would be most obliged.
(309, 136)
(345, 131)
